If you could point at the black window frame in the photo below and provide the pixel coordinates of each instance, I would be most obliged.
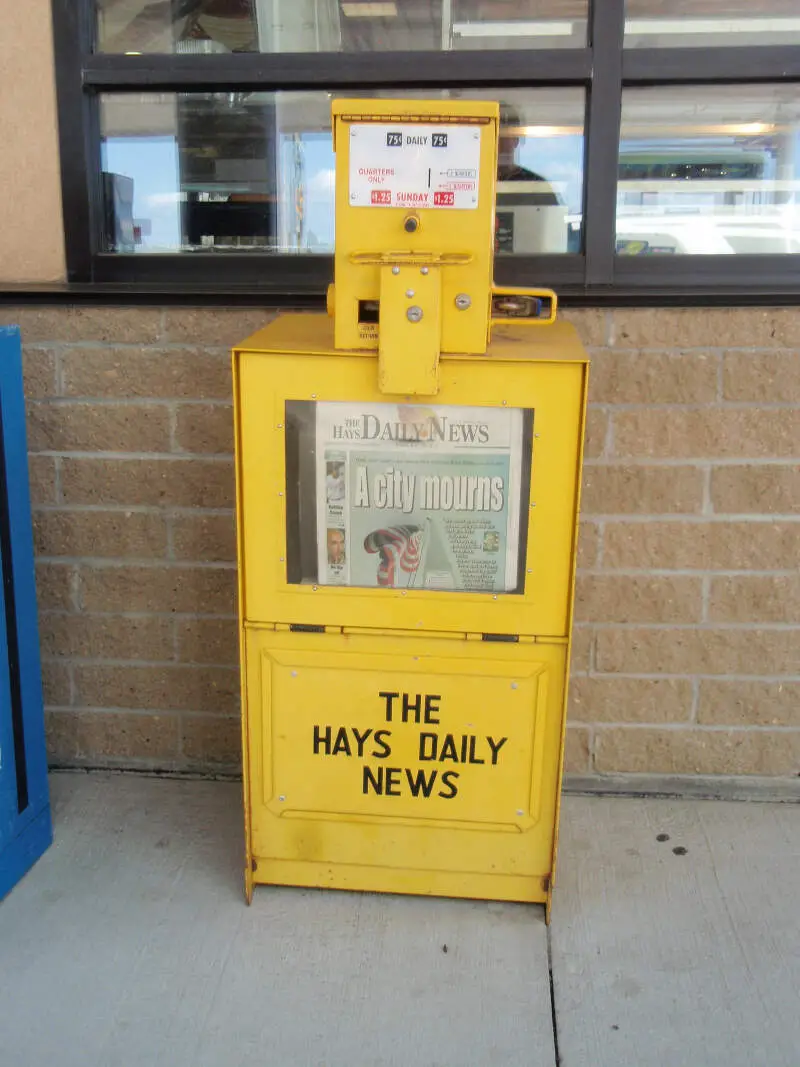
(603, 69)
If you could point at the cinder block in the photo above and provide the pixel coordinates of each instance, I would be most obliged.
(607, 698)
(765, 377)
(632, 377)
(192, 590)
(696, 650)
(642, 750)
(110, 738)
(211, 742)
(756, 598)
(752, 490)
(115, 534)
(167, 688)
(748, 703)
(204, 428)
(625, 598)
(115, 637)
(84, 427)
(204, 538)
(701, 545)
(178, 483)
(618, 489)
(707, 433)
(149, 373)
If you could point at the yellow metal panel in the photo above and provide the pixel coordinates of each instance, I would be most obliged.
(390, 763)
(570, 619)
(505, 377)
(408, 354)
(465, 234)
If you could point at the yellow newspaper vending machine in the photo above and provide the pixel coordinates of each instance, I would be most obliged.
(408, 473)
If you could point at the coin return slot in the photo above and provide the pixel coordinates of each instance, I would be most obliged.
(369, 311)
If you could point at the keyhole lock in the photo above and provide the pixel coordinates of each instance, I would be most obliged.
(411, 223)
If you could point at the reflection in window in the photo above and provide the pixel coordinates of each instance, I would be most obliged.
(705, 170)
(254, 171)
(198, 26)
(710, 23)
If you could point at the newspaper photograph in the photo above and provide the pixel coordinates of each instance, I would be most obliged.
(419, 496)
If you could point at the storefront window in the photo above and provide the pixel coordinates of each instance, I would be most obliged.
(254, 171)
(220, 26)
(709, 170)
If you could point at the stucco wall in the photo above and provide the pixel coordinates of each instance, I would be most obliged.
(31, 230)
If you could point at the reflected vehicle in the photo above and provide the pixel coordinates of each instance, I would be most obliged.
(708, 187)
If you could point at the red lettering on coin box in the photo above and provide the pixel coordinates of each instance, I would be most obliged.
(381, 196)
(444, 199)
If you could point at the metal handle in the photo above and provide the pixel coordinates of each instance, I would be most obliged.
(524, 307)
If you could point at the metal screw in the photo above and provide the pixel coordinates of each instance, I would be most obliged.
(294, 674)
(414, 313)
(280, 494)
(533, 505)
(313, 588)
(282, 797)
(410, 293)
(520, 811)
(513, 685)
(494, 597)
(395, 270)
(530, 570)
(463, 301)
(403, 593)
(423, 270)
(537, 435)
(504, 403)
(313, 396)
(281, 559)
(280, 425)
(352, 196)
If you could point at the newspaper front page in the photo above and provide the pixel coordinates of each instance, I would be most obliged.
(418, 496)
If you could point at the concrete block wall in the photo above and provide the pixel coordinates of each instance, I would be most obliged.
(687, 641)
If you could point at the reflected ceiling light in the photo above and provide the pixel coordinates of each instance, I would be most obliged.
(752, 128)
(689, 130)
(512, 29)
(643, 27)
(546, 131)
(369, 9)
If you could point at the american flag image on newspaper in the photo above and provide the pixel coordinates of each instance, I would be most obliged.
(399, 548)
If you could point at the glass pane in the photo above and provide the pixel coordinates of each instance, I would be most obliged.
(687, 23)
(255, 171)
(407, 496)
(709, 170)
(206, 26)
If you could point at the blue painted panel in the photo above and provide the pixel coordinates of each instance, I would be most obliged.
(24, 798)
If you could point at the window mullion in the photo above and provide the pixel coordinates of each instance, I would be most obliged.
(607, 22)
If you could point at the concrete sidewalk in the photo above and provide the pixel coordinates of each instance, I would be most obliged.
(675, 943)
